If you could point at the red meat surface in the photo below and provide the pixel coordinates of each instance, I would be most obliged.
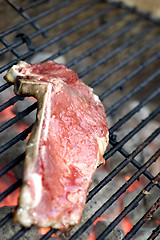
(66, 144)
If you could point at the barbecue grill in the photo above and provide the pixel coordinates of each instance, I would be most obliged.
(115, 50)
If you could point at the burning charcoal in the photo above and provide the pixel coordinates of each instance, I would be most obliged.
(22, 105)
(144, 204)
(8, 93)
(43, 231)
(116, 234)
(143, 233)
(98, 200)
(105, 193)
(10, 228)
(12, 152)
(136, 141)
(87, 235)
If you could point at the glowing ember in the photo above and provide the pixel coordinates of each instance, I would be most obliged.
(92, 237)
(98, 219)
(9, 179)
(8, 114)
(43, 231)
(5, 182)
(126, 223)
(135, 185)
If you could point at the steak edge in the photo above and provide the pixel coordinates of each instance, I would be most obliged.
(67, 143)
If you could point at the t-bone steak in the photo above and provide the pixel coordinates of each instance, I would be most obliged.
(66, 145)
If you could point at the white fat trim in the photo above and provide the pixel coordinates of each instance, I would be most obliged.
(13, 73)
(22, 216)
(25, 200)
(37, 182)
(102, 143)
(96, 98)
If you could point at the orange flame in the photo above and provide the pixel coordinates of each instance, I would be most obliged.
(5, 182)
(126, 223)
(8, 114)
(135, 185)
(43, 231)
(92, 237)
(9, 178)
(98, 219)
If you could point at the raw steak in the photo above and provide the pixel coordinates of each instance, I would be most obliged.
(66, 144)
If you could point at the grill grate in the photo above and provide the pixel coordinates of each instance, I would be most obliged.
(115, 50)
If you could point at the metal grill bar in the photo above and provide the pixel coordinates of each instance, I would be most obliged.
(5, 86)
(133, 92)
(34, 19)
(135, 110)
(135, 163)
(78, 26)
(45, 29)
(10, 102)
(20, 233)
(25, 15)
(146, 16)
(4, 220)
(12, 164)
(155, 233)
(46, 236)
(101, 44)
(50, 42)
(115, 196)
(144, 219)
(131, 133)
(61, 20)
(131, 156)
(20, 136)
(121, 83)
(18, 117)
(115, 106)
(125, 62)
(116, 51)
(14, 51)
(128, 209)
(55, 39)
(121, 166)
(92, 34)
(10, 189)
(122, 120)
(32, 4)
